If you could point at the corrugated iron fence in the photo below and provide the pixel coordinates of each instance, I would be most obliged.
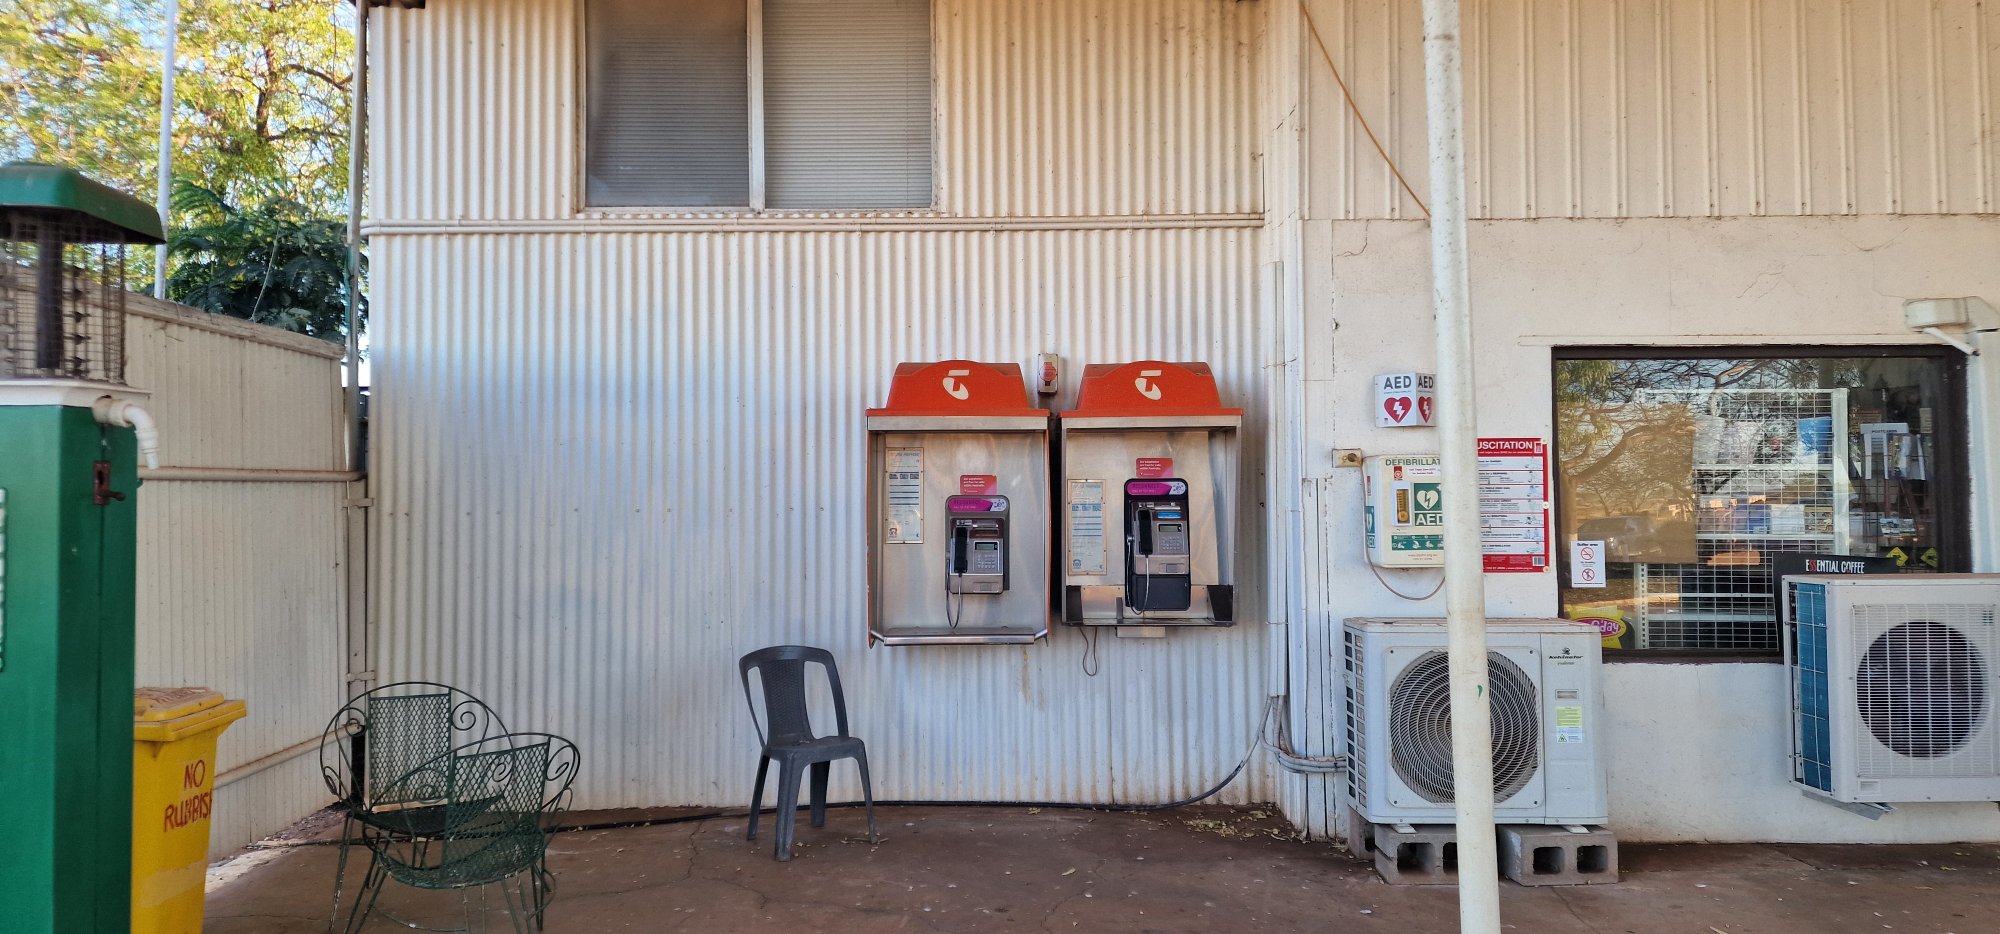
(241, 584)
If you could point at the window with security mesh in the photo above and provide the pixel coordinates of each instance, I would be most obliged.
(780, 104)
(1689, 473)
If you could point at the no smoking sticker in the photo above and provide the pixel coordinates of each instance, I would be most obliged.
(1586, 564)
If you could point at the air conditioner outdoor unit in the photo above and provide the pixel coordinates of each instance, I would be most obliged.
(1543, 687)
(1893, 682)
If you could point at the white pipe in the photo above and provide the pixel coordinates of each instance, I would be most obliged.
(121, 413)
(166, 143)
(360, 674)
(1982, 376)
(248, 475)
(1465, 585)
(237, 773)
(357, 153)
(1962, 346)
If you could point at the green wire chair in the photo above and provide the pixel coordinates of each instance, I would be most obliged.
(476, 815)
(383, 735)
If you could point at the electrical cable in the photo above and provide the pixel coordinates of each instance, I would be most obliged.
(952, 563)
(1356, 110)
(1386, 586)
(1307, 765)
(1090, 661)
(1257, 739)
(1132, 556)
(951, 619)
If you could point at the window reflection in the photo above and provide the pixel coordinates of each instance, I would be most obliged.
(1694, 472)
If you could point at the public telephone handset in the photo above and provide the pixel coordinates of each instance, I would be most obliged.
(1158, 558)
(976, 559)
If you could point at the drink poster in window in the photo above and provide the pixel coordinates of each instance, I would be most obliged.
(1514, 505)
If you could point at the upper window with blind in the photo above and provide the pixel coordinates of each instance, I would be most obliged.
(758, 104)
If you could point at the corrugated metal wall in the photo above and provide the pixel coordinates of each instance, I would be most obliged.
(609, 463)
(1051, 108)
(241, 586)
(1673, 108)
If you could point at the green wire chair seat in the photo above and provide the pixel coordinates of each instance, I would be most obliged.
(477, 814)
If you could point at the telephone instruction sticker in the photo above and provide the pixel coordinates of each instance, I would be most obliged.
(1086, 528)
(1569, 724)
(904, 504)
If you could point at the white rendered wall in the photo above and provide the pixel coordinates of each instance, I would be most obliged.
(1698, 752)
(1690, 758)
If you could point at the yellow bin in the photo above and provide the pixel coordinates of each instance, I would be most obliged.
(173, 787)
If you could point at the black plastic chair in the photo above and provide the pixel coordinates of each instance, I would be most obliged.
(791, 741)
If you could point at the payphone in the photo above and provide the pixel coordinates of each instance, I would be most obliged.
(1149, 527)
(958, 506)
(1157, 555)
(978, 542)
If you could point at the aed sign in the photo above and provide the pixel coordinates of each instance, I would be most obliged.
(1405, 400)
(1426, 505)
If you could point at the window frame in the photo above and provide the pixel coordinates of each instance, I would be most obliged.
(1952, 473)
(758, 207)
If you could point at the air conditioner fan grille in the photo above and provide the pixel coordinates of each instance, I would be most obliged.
(1420, 727)
(1922, 689)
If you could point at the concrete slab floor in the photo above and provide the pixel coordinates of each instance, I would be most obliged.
(1192, 869)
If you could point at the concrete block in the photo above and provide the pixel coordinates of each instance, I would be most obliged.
(1535, 854)
(1428, 855)
(1360, 834)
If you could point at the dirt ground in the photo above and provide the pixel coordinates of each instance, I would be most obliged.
(1052, 870)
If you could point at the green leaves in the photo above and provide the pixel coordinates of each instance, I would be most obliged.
(260, 120)
(276, 264)
(260, 91)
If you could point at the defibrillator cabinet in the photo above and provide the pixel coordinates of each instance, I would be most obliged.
(958, 508)
(1149, 511)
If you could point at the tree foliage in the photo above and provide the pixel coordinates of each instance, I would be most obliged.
(276, 264)
(80, 89)
(260, 136)
(260, 90)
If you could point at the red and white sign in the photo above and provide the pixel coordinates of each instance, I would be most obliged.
(1404, 400)
(1514, 504)
(978, 484)
(1148, 468)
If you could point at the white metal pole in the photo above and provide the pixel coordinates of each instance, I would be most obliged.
(357, 180)
(173, 15)
(1465, 585)
(360, 673)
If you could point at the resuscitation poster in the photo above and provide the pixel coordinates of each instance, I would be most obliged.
(1514, 504)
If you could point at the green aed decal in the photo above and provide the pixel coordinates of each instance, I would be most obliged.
(1427, 504)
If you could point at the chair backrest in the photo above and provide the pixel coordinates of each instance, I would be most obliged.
(384, 734)
(478, 813)
(782, 671)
